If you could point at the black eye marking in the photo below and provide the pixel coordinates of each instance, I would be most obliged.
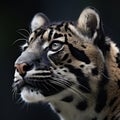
(79, 54)
(57, 35)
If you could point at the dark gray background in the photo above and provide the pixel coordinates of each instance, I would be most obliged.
(15, 15)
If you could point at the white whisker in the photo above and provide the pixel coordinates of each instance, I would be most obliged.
(20, 39)
(24, 30)
(25, 36)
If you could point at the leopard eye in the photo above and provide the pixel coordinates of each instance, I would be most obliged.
(55, 46)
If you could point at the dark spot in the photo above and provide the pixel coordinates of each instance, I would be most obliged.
(68, 99)
(59, 73)
(118, 83)
(66, 26)
(69, 61)
(65, 57)
(58, 27)
(37, 92)
(65, 70)
(95, 71)
(57, 110)
(56, 35)
(81, 66)
(112, 101)
(61, 63)
(83, 46)
(118, 59)
(32, 90)
(61, 67)
(65, 35)
(82, 105)
(50, 34)
(70, 35)
(94, 118)
(39, 32)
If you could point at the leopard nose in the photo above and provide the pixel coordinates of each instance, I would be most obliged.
(22, 68)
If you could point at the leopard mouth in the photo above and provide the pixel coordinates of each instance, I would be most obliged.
(44, 86)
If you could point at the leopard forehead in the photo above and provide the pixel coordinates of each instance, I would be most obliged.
(64, 32)
(57, 30)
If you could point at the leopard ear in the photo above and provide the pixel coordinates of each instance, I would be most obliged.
(90, 25)
(89, 22)
(38, 21)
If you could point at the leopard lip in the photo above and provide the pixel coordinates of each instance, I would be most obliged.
(44, 86)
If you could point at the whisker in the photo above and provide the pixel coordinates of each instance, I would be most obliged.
(52, 86)
(19, 101)
(25, 36)
(20, 39)
(45, 86)
(24, 30)
(59, 84)
(77, 92)
(66, 84)
(14, 94)
(106, 76)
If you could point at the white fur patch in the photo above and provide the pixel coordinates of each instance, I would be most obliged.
(31, 96)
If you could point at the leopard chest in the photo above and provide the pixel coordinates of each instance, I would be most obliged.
(75, 107)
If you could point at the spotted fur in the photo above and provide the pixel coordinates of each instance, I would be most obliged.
(71, 65)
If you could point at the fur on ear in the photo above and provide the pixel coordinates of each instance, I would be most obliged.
(89, 22)
(38, 21)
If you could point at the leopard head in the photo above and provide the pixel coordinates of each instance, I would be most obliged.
(59, 57)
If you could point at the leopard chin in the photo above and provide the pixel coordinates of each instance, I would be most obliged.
(29, 95)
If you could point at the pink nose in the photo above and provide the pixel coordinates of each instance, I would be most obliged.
(21, 68)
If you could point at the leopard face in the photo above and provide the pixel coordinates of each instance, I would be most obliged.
(58, 57)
